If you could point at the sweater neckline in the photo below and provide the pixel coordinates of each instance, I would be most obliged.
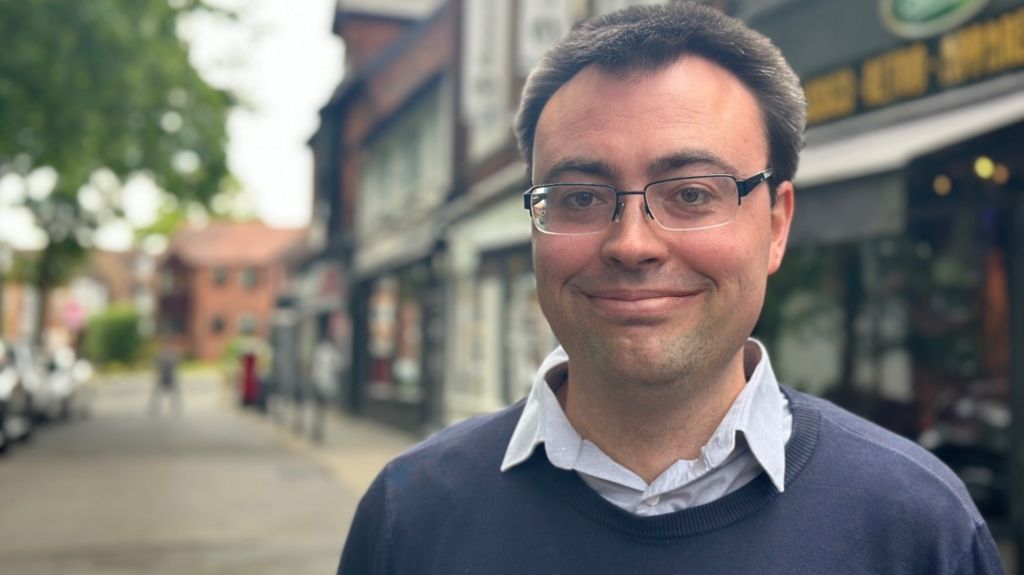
(734, 507)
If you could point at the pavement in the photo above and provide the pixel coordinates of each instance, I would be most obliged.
(210, 489)
(353, 450)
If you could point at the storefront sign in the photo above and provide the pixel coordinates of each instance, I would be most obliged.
(970, 54)
(923, 18)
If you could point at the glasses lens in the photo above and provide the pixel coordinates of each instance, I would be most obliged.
(573, 208)
(694, 203)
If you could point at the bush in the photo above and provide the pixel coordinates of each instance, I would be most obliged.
(113, 336)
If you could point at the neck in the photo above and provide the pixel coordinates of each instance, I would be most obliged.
(648, 430)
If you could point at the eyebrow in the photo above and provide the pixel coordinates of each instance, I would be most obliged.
(603, 170)
(586, 166)
(687, 158)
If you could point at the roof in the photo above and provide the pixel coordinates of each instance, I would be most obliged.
(234, 244)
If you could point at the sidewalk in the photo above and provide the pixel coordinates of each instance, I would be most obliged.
(354, 449)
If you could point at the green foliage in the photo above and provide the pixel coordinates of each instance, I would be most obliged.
(113, 336)
(104, 85)
(107, 83)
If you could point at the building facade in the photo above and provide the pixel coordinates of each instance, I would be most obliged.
(219, 282)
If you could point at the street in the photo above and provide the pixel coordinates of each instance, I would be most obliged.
(210, 490)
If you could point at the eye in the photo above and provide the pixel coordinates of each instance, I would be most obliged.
(691, 195)
(580, 199)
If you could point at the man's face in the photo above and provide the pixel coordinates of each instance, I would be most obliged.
(636, 303)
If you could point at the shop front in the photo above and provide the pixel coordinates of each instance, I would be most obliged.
(499, 335)
(901, 295)
(397, 328)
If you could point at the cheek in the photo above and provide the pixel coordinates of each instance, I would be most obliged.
(731, 258)
(556, 259)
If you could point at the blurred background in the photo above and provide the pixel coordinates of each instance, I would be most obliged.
(301, 225)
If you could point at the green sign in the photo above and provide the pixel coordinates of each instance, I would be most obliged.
(924, 18)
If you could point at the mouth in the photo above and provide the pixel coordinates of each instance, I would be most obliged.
(638, 303)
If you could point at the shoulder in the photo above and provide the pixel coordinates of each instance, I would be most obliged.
(456, 457)
(882, 466)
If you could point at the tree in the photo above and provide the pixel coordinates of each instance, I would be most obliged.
(92, 93)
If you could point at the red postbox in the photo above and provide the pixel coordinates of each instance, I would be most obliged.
(250, 379)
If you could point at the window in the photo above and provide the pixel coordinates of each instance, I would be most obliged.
(247, 324)
(220, 276)
(168, 281)
(217, 324)
(250, 278)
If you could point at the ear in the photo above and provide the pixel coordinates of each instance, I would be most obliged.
(782, 217)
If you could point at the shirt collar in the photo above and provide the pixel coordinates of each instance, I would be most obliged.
(760, 413)
(529, 432)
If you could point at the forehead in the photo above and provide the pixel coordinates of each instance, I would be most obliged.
(630, 122)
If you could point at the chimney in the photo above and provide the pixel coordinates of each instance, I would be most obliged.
(369, 27)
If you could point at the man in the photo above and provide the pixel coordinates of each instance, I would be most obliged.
(166, 384)
(326, 372)
(662, 142)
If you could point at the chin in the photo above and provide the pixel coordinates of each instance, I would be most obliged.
(645, 365)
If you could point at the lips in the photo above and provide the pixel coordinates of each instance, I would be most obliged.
(637, 303)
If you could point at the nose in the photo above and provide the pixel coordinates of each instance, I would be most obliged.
(634, 240)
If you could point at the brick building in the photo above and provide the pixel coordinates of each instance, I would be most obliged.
(220, 281)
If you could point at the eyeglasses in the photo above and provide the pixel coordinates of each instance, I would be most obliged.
(678, 204)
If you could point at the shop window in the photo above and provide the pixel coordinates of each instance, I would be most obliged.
(910, 331)
(396, 336)
(529, 339)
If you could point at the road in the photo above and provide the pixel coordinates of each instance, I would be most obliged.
(209, 491)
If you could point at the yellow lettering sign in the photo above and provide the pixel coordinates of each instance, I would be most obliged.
(981, 50)
(894, 76)
(831, 96)
(975, 52)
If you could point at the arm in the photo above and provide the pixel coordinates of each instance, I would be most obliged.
(369, 537)
(982, 558)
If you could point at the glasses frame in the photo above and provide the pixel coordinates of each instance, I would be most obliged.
(743, 189)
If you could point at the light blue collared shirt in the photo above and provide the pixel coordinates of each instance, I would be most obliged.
(751, 438)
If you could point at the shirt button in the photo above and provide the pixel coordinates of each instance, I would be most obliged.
(651, 502)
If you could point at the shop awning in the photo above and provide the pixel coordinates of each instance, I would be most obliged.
(891, 147)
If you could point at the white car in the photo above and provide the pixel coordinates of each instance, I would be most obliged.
(67, 379)
(16, 414)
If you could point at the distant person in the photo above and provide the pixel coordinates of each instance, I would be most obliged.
(166, 388)
(662, 142)
(326, 371)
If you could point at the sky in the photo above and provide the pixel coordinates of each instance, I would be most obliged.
(284, 62)
(281, 59)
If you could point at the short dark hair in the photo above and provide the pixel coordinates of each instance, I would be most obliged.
(648, 38)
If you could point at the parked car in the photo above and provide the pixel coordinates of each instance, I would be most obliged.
(45, 397)
(16, 411)
(69, 378)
